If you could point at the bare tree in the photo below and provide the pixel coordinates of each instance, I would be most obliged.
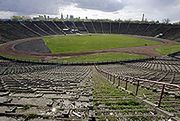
(166, 21)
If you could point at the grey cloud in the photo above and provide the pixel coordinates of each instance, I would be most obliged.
(102, 5)
(52, 6)
(30, 6)
(155, 9)
(153, 4)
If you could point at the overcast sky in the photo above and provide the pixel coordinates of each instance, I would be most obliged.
(111, 9)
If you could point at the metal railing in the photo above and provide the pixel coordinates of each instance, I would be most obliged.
(137, 82)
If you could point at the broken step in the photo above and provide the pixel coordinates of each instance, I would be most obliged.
(11, 110)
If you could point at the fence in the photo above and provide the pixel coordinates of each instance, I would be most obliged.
(136, 82)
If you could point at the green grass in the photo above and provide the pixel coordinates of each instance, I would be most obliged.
(84, 43)
(126, 104)
(166, 50)
(25, 58)
(102, 58)
(20, 57)
(89, 58)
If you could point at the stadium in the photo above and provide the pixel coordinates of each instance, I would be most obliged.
(88, 70)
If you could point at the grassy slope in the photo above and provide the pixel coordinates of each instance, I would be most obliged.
(102, 57)
(165, 50)
(65, 44)
(104, 94)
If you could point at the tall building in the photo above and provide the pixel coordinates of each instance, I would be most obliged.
(71, 17)
(143, 18)
(45, 17)
(62, 17)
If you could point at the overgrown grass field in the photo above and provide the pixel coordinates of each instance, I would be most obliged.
(166, 50)
(84, 43)
(101, 58)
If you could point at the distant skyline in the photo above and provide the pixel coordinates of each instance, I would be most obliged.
(94, 9)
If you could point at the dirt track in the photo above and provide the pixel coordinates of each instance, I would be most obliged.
(9, 48)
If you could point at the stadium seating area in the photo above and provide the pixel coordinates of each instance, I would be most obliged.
(141, 90)
(28, 89)
(54, 92)
(164, 71)
(13, 30)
